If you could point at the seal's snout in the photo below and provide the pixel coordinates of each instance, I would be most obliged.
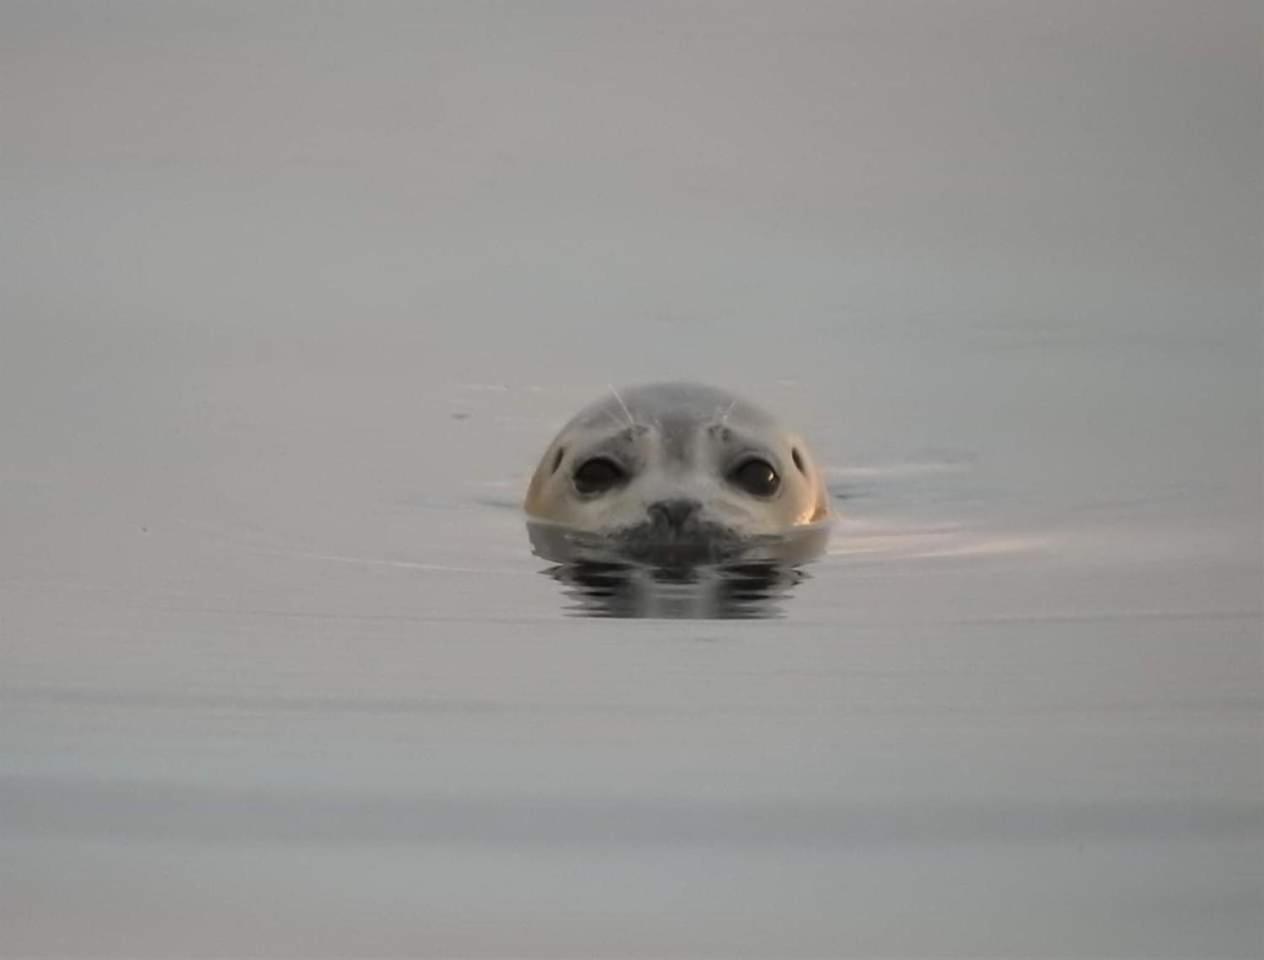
(673, 514)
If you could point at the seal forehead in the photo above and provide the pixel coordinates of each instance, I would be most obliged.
(675, 415)
(676, 433)
(681, 403)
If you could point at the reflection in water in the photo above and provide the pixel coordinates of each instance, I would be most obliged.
(678, 580)
(732, 591)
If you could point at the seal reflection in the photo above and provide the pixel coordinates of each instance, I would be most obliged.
(744, 591)
(750, 582)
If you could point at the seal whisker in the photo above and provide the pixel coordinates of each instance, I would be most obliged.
(613, 417)
(626, 412)
(724, 417)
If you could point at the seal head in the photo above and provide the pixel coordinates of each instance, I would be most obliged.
(676, 472)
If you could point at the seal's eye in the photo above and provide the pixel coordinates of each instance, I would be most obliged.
(756, 477)
(598, 475)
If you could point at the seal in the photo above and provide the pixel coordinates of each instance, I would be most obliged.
(675, 473)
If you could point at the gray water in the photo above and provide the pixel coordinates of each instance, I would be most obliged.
(293, 298)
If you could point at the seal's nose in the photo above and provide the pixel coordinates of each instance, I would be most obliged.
(673, 513)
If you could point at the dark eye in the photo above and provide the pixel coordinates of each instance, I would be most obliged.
(755, 476)
(598, 475)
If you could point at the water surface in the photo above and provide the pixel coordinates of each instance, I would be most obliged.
(292, 301)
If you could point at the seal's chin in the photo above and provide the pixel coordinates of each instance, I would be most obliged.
(689, 545)
(651, 544)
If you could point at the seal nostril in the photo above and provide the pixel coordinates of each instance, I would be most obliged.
(673, 513)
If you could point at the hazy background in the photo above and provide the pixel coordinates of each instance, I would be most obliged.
(291, 297)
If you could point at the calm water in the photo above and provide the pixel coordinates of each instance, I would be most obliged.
(291, 304)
